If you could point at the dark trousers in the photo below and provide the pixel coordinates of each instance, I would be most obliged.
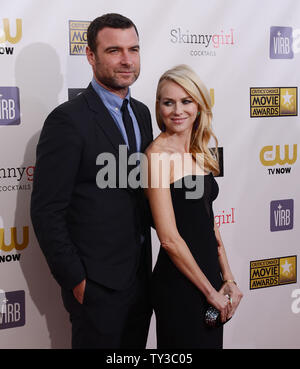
(109, 318)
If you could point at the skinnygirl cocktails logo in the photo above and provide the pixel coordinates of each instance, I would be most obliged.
(203, 44)
(16, 178)
(225, 217)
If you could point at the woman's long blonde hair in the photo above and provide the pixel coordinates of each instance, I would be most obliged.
(202, 131)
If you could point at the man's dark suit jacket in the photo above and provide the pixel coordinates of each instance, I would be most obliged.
(85, 231)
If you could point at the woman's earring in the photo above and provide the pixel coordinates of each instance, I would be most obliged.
(163, 127)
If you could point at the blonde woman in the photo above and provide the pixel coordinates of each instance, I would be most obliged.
(192, 271)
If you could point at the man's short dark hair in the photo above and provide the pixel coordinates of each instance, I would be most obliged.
(112, 20)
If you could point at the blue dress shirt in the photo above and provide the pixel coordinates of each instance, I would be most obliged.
(113, 103)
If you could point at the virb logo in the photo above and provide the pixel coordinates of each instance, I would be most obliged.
(9, 106)
(281, 215)
(284, 42)
(281, 41)
(12, 309)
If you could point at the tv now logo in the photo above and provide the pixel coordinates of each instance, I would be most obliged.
(15, 243)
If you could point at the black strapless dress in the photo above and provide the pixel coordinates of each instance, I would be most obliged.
(178, 304)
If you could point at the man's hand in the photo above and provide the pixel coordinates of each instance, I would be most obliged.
(78, 291)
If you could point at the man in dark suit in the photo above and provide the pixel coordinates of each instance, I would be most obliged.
(97, 240)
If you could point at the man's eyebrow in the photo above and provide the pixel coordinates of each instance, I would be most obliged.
(112, 47)
(121, 47)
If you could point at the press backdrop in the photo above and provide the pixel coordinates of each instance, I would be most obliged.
(247, 53)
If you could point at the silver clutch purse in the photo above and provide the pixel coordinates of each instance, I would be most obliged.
(212, 317)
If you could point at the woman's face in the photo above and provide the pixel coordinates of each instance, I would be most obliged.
(176, 107)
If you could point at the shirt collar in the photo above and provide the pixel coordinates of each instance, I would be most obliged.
(111, 101)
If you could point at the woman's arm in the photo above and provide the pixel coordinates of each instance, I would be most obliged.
(229, 287)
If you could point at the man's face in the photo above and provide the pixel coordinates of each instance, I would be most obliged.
(116, 62)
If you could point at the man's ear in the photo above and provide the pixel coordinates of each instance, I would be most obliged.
(90, 56)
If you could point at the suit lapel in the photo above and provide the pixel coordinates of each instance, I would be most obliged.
(103, 118)
(105, 121)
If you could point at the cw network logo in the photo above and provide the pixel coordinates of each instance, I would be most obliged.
(284, 42)
(274, 155)
(6, 36)
(15, 243)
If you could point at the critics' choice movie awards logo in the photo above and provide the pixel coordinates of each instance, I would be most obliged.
(203, 44)
(278, 156)
(273, 102)
(9, 106)
(284, 42)
(10, 34)
(12, 309)
(273, 272)
(281, 215)
(78, 37)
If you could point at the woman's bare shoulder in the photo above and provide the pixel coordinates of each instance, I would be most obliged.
(159, 145)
